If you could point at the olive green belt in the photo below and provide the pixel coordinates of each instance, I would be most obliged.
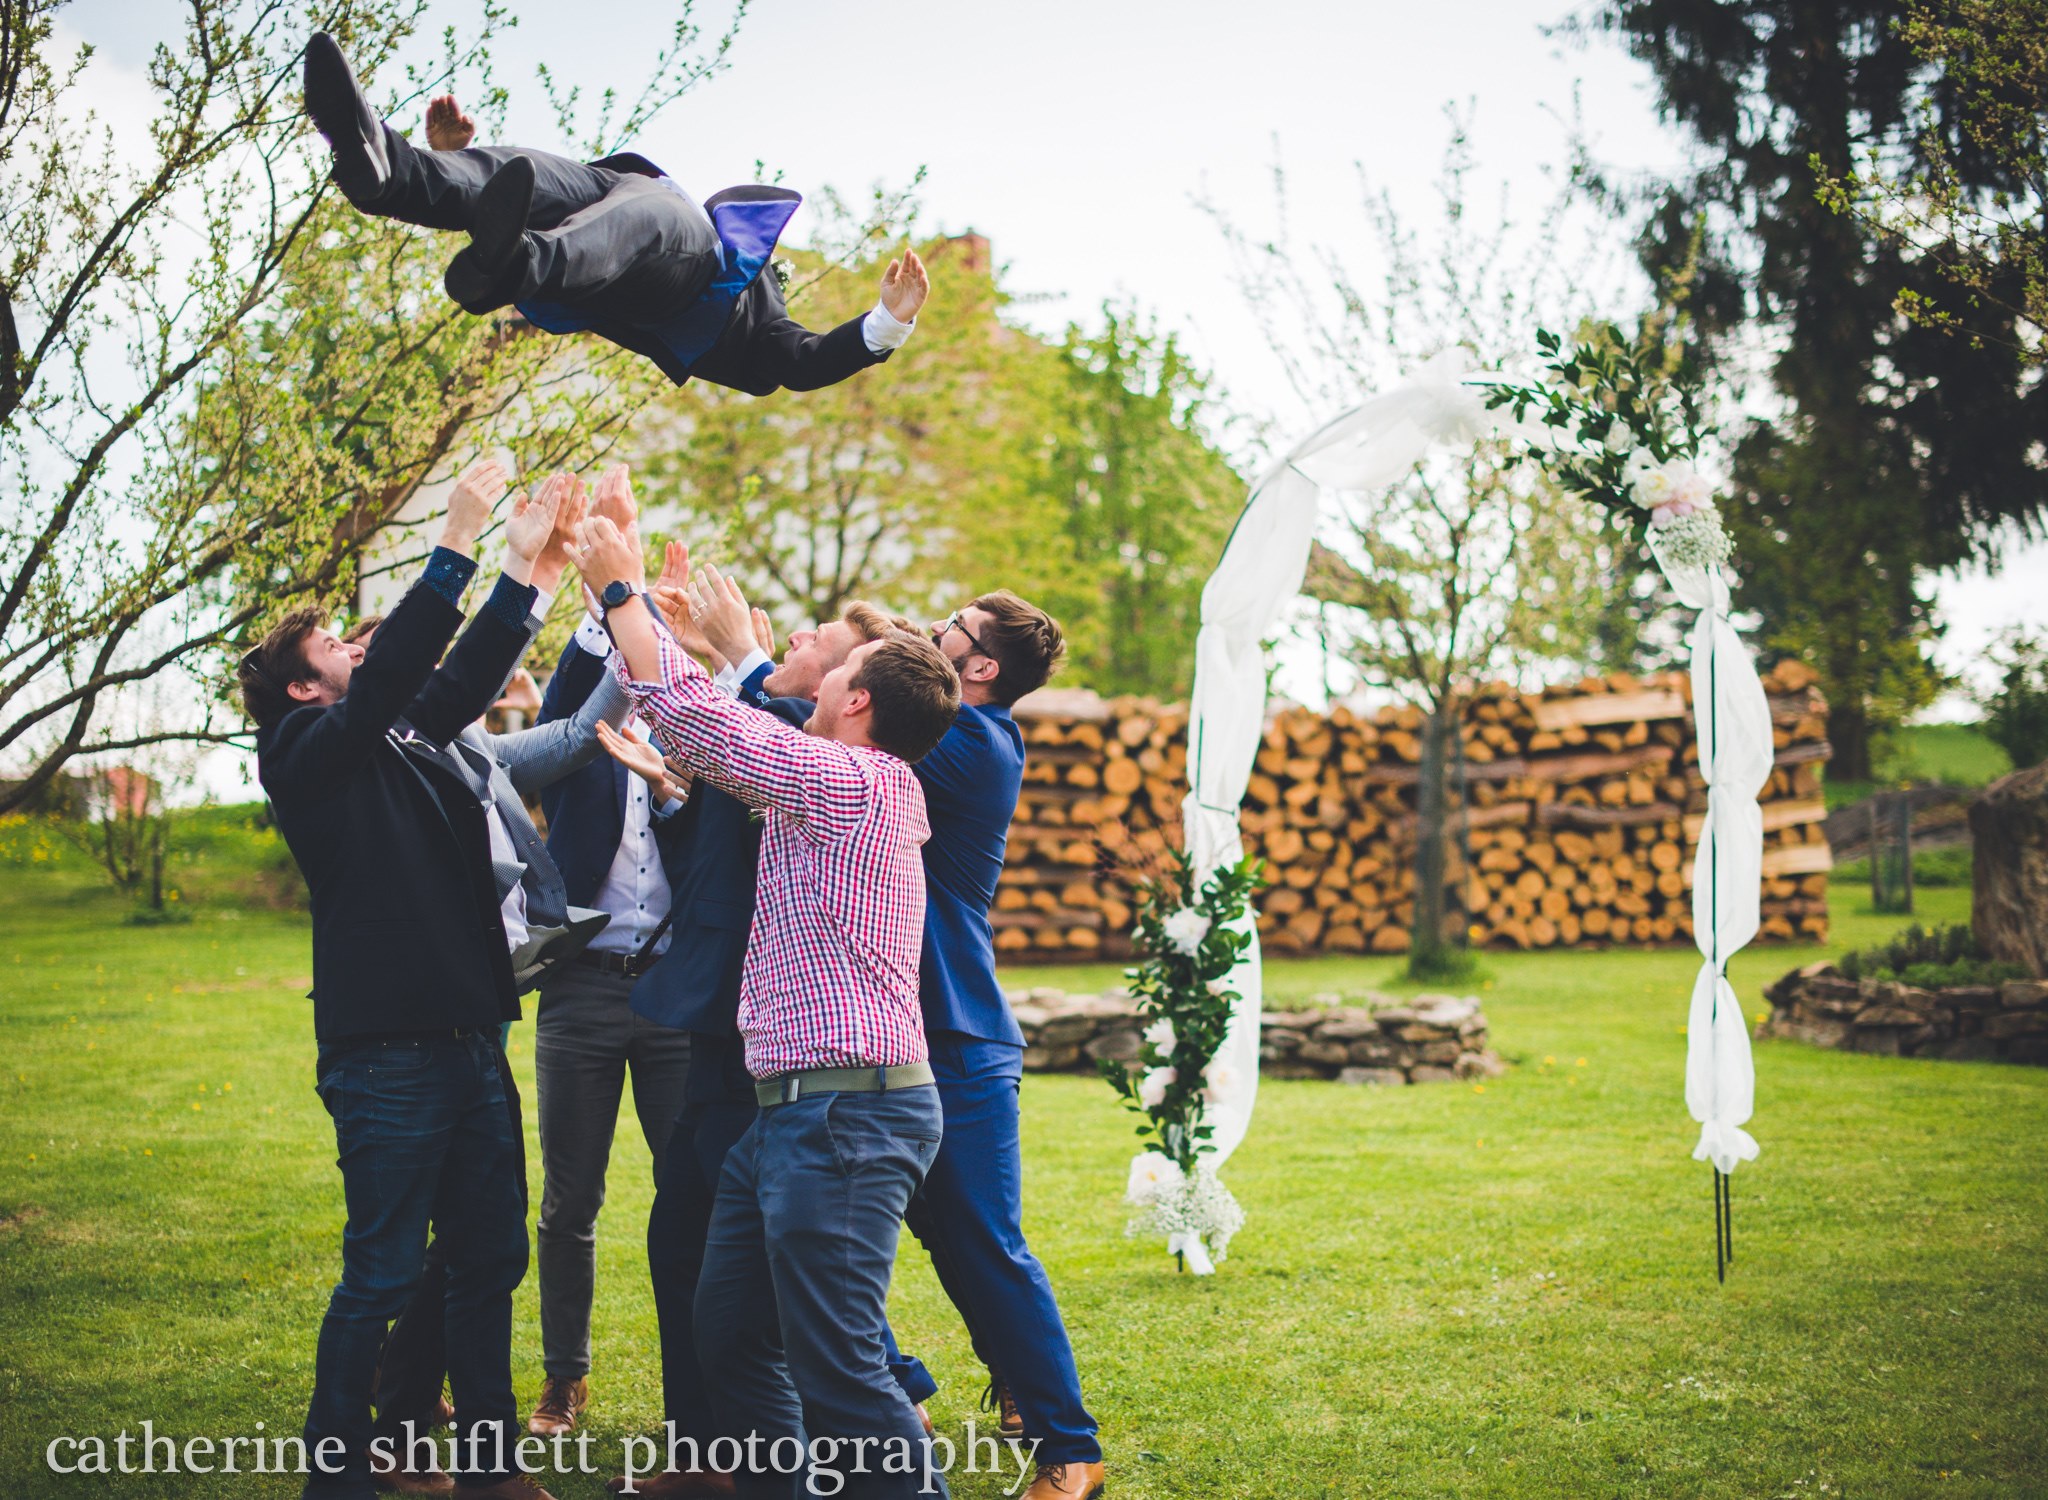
(790, 1086)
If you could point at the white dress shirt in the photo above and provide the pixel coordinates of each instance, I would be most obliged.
(635, 888)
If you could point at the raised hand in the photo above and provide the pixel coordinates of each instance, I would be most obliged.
(554, 558)
(613, 499)
(905, 286)
(477, 490)
(448, 128)
(530, 525)
(602, 555)
(721, 612)
(671, 595)
(764, 634)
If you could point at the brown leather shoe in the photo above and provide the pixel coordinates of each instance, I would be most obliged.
(997, 1399)
(677, 1484)
(1066, 1482)
(395, 1476)
(561, 1401)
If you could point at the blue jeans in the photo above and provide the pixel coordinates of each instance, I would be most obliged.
(719, 1110)
(969, 1214)
(425, 1137)
(792, 1304)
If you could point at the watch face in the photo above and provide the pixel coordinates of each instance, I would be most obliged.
(616, 593)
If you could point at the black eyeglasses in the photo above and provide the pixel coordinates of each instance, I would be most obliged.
(954, 622)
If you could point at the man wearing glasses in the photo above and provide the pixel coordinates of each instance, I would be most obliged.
(969, 1212)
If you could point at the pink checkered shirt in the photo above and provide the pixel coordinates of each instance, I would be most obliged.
(831, 971)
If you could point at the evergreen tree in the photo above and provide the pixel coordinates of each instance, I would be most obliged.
(1902, 447)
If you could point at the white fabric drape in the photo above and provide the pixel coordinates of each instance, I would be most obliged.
(1732, 726)
(1372, 445)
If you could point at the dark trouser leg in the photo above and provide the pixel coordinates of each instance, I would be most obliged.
(414, 1366)
(480, 1215)
(437, 189)
(581, 1037)
(394, 1119)
(720, 1108)
(659, 1057)
(970, 1212)
(737, 1331)
(828, 1178)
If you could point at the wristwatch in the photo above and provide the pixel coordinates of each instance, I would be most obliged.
(617, 592)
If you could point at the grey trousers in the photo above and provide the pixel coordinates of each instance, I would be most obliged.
(585, 1038)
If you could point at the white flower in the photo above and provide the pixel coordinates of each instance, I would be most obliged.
(1185, 929)
(1151, 1174)
(1692, 540)
(1221, 987)
(1654, 485)
(1153, 1086)
(1220, 1081)
(1160, 1035)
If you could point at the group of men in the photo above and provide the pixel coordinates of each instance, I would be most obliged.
(763, 892)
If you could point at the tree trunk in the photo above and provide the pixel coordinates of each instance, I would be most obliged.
(1849, 736)
(1427, 942)
(2009, 880)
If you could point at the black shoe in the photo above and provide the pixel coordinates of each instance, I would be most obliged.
(344, 117)
(485, 276)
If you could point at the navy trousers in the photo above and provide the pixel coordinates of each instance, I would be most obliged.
(425, 1137)
(969, 1215)
(719, 1107)
(792, 1304)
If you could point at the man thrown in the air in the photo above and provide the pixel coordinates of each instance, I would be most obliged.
(614, 247)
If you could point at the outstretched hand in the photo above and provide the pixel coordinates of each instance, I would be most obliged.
(665, 780)
(554, 558)
(477, 490)
(904, 287)
(604, 556)
(448, 128)
(671, 595)
(721, 613)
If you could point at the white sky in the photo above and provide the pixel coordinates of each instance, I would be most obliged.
(1077, 136)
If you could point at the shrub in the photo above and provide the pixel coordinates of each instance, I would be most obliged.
(1929, 959)
(2016, 711)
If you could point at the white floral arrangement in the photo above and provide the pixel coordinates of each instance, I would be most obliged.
(1169, 1201)
(1189, 939)
(1626, 435)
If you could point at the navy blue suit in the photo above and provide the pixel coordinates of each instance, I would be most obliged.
(969, 1211)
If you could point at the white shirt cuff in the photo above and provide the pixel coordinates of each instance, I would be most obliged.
(543, 601)
(732, 674)
(882, 332)
(592, 638)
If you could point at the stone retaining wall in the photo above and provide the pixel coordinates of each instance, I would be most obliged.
(1376, 1040)
(1819, 1004)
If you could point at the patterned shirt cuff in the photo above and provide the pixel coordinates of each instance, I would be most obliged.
(511, 602)
(448, 574)
(881, 331)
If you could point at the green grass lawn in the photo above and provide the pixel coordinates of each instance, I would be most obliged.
(1442, 1290)
(1960, 754)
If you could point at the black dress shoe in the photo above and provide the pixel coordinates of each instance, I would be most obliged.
(485, 276)
(344, 117)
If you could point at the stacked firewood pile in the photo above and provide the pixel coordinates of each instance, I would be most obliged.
(1576, 815)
